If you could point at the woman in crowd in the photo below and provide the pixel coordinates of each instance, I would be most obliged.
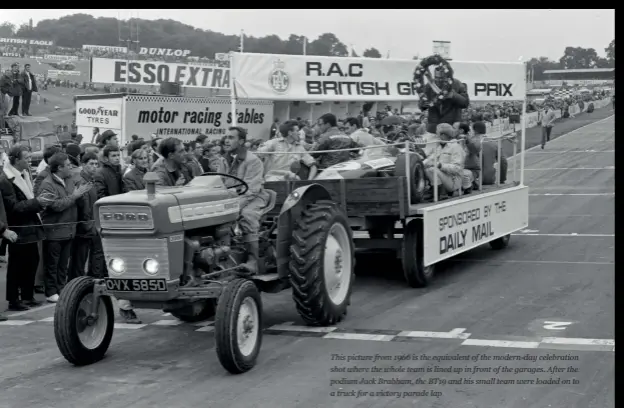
(133, 179)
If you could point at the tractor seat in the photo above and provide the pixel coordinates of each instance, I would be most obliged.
(271, 204)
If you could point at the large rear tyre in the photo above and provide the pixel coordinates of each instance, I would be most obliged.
(414, 270)
(321, 264)
(417, 176)
(500, 243)
(82, 339)
(196, 311)
(238, 326)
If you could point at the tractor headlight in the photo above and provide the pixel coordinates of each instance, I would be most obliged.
(150, 266)
(117, 266)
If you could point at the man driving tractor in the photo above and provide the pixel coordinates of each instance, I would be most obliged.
(248, 167)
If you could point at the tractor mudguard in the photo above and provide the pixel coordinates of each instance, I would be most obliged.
(291, 211)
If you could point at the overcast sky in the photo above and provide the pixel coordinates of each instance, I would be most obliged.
(475, 35)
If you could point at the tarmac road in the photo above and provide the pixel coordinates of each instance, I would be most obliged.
(548, 297)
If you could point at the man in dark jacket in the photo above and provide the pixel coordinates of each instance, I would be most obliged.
(450, 109)
(108, 178)
(23, 213)
(60, 195)
(87, 243)
(108, 182)
(29, 85)
(11, 85)
(332, 138)
(12, 237)
(45, 170)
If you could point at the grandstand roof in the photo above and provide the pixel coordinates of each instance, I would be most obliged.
(577, 71)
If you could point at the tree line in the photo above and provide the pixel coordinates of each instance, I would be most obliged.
(75, 30)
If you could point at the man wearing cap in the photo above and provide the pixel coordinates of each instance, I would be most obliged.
(446, 162)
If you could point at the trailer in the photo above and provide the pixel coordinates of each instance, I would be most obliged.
(422, 234)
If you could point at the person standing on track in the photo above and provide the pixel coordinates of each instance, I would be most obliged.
(548, 121)
(29, 85)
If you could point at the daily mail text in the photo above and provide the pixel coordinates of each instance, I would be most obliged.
(474, 226)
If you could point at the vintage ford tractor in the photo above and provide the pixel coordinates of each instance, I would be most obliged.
(178, 249)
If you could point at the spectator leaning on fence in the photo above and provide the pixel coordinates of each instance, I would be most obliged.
(59, 218)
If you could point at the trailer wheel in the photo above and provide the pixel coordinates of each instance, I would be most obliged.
(81, 339)
(416, 274)
(238, 326)
(417, 176)
(196, 311)
(322, 263)
(500, 243)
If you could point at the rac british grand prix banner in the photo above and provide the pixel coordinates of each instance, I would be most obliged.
(121, 71)
(312, 78)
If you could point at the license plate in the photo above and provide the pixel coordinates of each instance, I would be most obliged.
(136, 285)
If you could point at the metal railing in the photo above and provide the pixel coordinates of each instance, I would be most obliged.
(422, 143)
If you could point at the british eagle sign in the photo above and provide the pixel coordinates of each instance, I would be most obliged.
(306, 78)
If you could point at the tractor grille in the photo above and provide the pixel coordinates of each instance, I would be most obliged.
(126, 217)
(135, 251)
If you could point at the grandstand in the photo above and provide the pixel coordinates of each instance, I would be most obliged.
(579, 77)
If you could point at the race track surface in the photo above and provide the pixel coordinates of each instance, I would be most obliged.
(547, 299)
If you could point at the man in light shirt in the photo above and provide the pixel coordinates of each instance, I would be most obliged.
(365, 139)
(278, 166)
(548, 121)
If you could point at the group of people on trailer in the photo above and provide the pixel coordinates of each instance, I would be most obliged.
(452, 153)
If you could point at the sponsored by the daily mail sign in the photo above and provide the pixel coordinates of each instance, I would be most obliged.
(121, 71)
(25, 41)
(185, 117)
(94, 113)
(452, 229)
(312, 78)
(164, 52)
(88, 47)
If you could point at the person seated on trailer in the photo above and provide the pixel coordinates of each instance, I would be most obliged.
(490, 158)
(332, 139)
(448, 157)
(360, 136)
(287, 154)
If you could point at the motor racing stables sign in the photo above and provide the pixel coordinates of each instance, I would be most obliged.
(121, 71)
(300, 77)
(454, 227)
(185, 118)
(94, 113)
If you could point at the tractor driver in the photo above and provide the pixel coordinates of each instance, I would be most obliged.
(248, 167)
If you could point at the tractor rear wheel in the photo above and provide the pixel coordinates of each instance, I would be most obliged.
(238, 326)
(322, 263)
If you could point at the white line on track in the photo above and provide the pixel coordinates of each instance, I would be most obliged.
(574, 194)
(573, 234)
(497, 261)
(573, 168)
(570, 151)
(567, 134)
(35, 309)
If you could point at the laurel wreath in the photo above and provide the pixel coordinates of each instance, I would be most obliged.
(444, 83)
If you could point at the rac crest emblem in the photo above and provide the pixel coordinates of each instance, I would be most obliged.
(279, 80)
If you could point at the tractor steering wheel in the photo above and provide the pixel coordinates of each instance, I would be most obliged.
(241, 182)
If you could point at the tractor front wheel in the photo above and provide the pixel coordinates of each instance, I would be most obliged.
(83, 338)
(238, 326)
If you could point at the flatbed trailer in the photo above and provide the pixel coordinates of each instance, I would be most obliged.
(426, 233)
